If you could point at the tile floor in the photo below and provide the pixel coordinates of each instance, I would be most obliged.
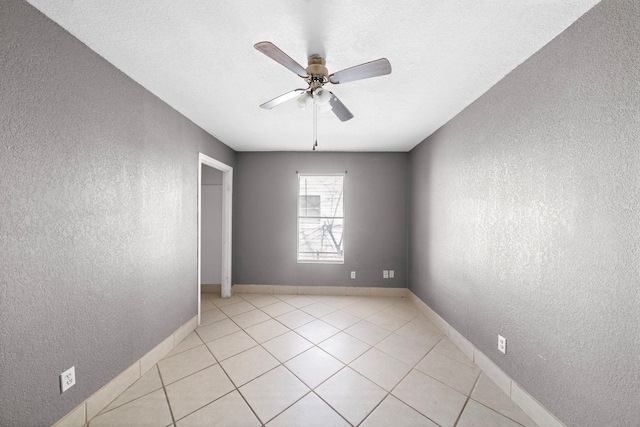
(293, 360)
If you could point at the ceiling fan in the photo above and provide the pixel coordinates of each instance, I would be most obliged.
(316, 75)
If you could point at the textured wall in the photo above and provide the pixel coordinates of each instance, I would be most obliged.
(98, 189)
(375, 224)
(524, 220)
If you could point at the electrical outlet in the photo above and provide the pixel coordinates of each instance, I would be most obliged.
(391, 274)
(385, 274)
(353, 274)
(67, 379)
(502, 344)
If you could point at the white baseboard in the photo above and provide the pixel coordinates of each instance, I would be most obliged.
(518, 395)
(99, 400)
(318, 290)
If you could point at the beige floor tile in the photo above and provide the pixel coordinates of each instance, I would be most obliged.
(422, 323)
(206, 305)
(489, 394)
(217, 330)
(421, 335)
(383, 302)
(250, 318)
(186, 363)
(277, 309)
(475, 414)
(336, 301)
(295, 319)
(248, 365)
(230, 345)
(368, 332)
(431, 398)
(344, 328)
(300, 301)
(149, 410)
(403, 310)
(386, 320)
(318, 309)
(197, 390)
(228, 411)
(361, 309)
(403, 349)
(273, 392)
(393, 412)
(222, 302)
(266, 330)
(211, 316)
(237, 308)
(382, 369)
(310, 411)
(344, 347)
(146, 384)
(191, 341)
(449, 349)
(261, 300)
(351, 395)
(314, 366)
(450, 372)
(340, 319)
(317, 331)
(286, 346)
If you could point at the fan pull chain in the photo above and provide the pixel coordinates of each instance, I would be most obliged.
(315, 125)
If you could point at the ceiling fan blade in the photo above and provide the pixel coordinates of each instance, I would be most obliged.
(379, 67)
(274, 52)
(339, 109)
(282, 98)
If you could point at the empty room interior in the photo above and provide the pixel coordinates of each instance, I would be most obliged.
(305, 213)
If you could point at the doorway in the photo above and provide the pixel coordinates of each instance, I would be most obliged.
(225, 235)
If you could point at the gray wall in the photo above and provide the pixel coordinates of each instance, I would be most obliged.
(375, 223)
(98, 196)
(524, 220)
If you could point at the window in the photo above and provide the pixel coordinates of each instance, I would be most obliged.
(321, 218)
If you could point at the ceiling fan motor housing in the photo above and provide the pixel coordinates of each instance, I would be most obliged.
(317, 71)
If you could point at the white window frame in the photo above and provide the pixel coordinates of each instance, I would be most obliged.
(344, 219)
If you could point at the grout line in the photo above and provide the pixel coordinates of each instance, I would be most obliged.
(236, 388)
(334, 410)
(298, 400)
(204, 406)
(498, 412)
(166, 396)
(401, 380)
(467, 401)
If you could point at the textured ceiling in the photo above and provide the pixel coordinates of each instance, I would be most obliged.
(198, 56)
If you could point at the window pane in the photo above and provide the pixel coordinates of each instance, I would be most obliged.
(310, 206)
(320, 240)
(320, 218)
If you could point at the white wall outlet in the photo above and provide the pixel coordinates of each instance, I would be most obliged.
(502, 344)
(385, 274)
(391, 274)
(67, 379)
(353, 274)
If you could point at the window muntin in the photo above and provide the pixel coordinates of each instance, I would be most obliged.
(321, 218)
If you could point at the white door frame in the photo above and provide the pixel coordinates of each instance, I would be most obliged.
(227, 210)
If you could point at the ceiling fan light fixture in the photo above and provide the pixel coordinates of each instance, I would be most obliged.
(321, 96)
(305, 101)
